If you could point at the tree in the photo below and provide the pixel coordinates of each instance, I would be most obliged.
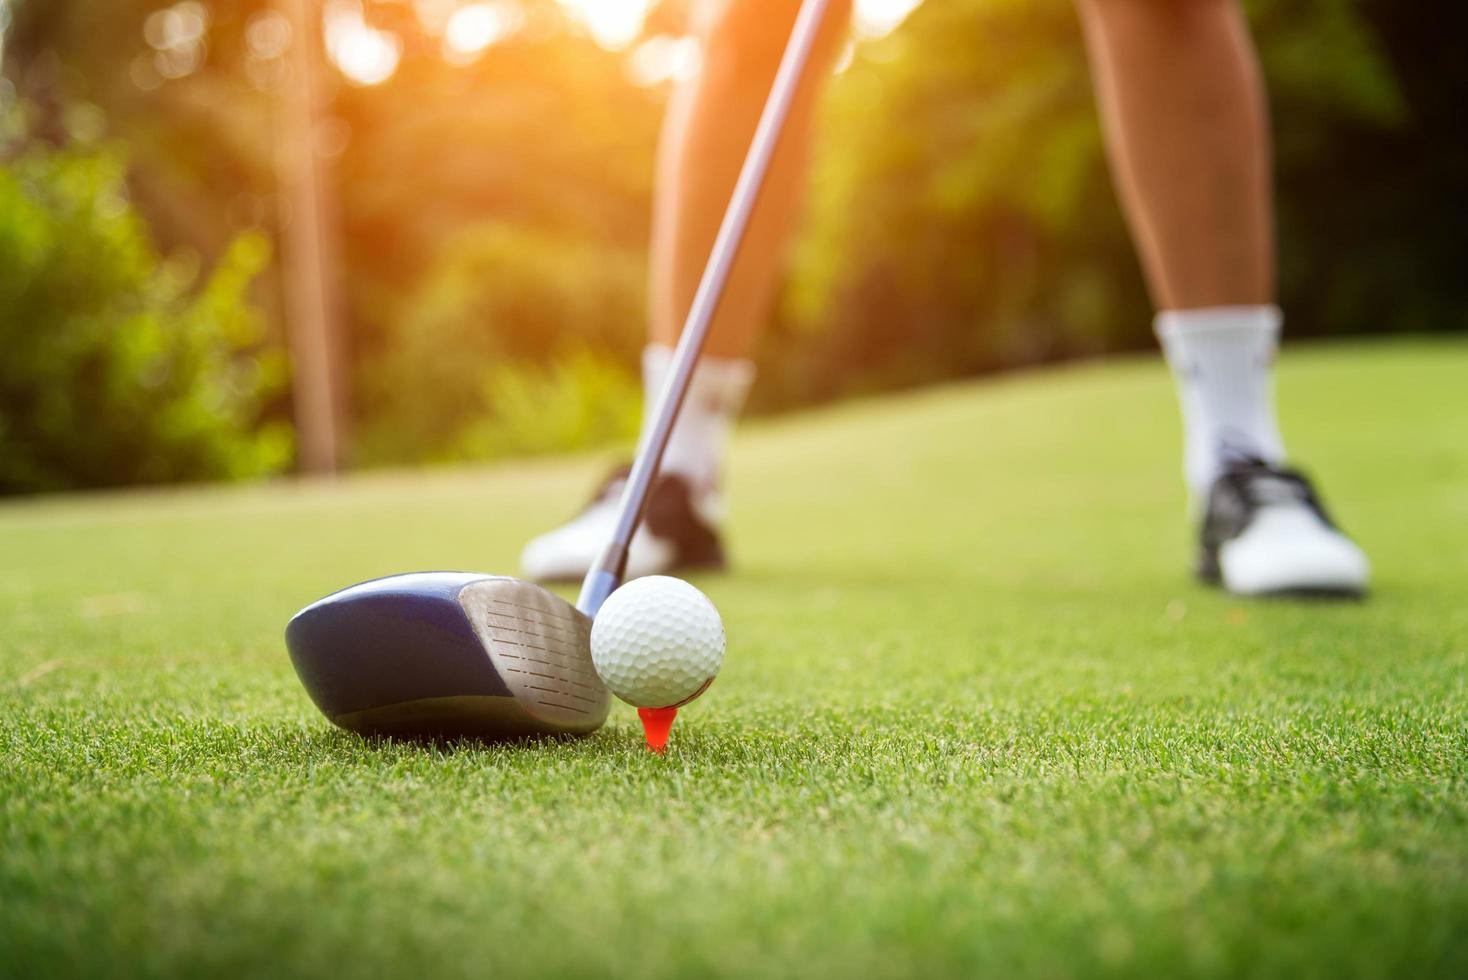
(117, 370)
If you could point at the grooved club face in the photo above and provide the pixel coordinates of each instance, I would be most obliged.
(449, 654)
(541, 646)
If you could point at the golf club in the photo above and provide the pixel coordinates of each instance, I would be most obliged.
(468, 654)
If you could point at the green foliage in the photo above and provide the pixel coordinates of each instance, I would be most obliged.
(580, 400)
(1368, 105)
(963, 219)
(516, 342)
(116, 370)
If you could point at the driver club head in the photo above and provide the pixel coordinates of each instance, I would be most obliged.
(449, 654)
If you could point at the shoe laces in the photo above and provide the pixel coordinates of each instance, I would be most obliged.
(1264, 484)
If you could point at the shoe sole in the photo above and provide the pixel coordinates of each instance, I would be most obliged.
(1325, 593)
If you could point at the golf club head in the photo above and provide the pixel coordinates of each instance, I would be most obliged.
(449, 654)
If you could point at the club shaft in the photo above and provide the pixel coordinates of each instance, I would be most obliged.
(607, 573)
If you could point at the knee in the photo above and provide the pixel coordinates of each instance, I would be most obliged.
(743, 39)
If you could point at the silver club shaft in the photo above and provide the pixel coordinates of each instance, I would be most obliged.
(606, 574)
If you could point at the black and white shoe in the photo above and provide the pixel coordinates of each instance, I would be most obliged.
(1266, 533)
(677, 534)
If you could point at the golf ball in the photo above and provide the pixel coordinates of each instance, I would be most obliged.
(657, 642)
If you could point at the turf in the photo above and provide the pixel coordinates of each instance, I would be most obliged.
(975, 717)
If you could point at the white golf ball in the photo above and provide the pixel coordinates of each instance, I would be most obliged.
(657, 642)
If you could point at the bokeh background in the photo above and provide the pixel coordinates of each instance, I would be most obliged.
(432, 214)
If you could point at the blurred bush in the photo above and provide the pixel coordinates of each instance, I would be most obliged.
(116, 369)
(580, 400)
(514, 342)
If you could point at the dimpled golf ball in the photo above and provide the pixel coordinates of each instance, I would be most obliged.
(657, 642)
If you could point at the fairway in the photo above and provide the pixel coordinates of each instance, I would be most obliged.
(975, 717)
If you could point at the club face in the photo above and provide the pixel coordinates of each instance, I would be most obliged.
(449, 654)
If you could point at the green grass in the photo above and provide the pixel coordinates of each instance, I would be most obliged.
(975, 718)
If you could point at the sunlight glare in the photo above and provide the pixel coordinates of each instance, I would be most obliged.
(473, 28)
(178, 26)
(872, 19)
(664, 59)
(364, 54)
(176, 34)
(614, 24)
(268, 34)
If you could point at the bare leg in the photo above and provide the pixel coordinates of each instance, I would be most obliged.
(708, 128)
(1186, 128)
(705, 138)
(1187, 131)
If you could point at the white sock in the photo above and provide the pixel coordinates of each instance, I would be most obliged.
(1222, 358)
(701, 436)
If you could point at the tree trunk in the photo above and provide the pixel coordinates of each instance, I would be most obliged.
(309, 265)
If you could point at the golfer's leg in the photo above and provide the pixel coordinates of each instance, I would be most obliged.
(1187, 132)
(706, 133)
(1186, 127)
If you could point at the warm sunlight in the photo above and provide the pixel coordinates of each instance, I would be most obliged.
(613, 23)
(617, 23)
(662, 58)
(368, 55)
(475, 27)
(364, 54)
(875, 18)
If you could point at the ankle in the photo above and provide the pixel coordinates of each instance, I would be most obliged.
(700, 438)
